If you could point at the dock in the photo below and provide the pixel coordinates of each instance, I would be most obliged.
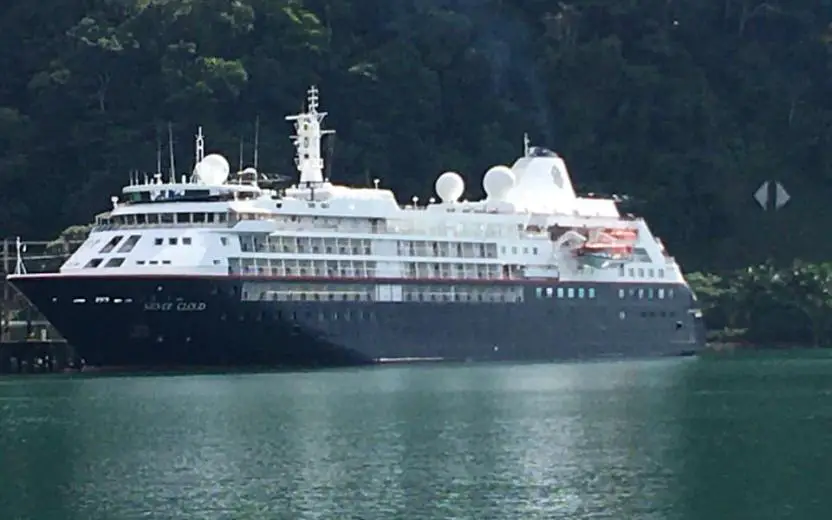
(28, 342)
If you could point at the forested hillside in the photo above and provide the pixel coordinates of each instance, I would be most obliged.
(686, 106)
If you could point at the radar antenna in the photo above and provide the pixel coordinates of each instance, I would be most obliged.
(307, 140)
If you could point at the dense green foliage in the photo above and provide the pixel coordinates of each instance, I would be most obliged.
(686, 106)
(764, 305)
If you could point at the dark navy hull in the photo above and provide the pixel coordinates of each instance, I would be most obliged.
(131, 321)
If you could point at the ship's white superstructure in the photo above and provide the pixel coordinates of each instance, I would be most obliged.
(530, 225)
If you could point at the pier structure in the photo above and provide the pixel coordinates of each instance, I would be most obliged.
(29, 343)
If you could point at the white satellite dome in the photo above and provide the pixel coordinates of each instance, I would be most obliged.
(498, 181)
(449, 186)
(212, 170)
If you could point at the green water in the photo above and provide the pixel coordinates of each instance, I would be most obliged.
(740, 438)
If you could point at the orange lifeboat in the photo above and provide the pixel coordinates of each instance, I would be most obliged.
(629, 235)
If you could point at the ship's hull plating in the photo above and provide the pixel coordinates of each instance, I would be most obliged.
(203, 321)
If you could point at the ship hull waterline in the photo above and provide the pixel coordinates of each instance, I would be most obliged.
(149, 322)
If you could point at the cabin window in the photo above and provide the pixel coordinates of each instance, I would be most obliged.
(560, 292)
(591, 292)
(166, 218)
(514, 250)
(661, 273)
(670, 293)
(621, 294)
(534, 250)
(95, 262)
(199, 218)
(539, 292)
(549, 292)
(224, 241)
(153, 218)
(641, 272)
(641, 294)
(183, 218)
(660, 293)
(172, 241)
(631, 272)
(114, 262)
(186, 241)
(158, 241)
(651, 273)
(166, 262)
(139, 262)
(570, 292)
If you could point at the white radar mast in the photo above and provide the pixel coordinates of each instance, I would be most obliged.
(307, 140)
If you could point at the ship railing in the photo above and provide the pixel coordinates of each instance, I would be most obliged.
(371, 274)
(114, 227)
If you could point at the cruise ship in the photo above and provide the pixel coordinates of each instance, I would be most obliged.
(224, 270)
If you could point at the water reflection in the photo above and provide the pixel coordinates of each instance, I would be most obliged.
(674, 439)
(757, 437)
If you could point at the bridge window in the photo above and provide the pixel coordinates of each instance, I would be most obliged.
(111, 244)
(129, 244)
